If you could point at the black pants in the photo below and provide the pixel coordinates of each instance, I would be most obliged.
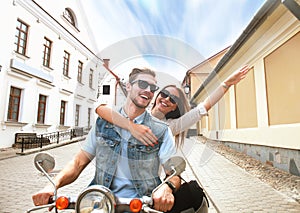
(189, 195)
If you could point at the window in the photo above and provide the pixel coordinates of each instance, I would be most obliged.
(47, 52)
(21, 37)
(14, 104)
(77, 115)
(283, 82)
(79, 72)
(66, 63)
(89, 116)
(62, 113)
(41, 109)
(91, 78)
(69, 16)
(106, 90)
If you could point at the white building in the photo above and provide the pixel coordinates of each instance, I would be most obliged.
(49, 71)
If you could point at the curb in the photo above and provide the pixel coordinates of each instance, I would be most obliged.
(16, 152)
(212, 202)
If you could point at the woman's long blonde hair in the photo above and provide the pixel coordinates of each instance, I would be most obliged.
(182, 108)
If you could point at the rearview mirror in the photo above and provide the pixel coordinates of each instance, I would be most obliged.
(45, 161)
(175, 164)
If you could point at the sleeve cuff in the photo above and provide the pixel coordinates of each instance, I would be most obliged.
(202, 109)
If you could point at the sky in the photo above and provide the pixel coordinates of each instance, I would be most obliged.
(169, 36)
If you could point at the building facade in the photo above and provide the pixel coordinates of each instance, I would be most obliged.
(49, 72)
(195, 77)
(260, 116)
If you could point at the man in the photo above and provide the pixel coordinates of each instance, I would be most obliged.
(123, 164)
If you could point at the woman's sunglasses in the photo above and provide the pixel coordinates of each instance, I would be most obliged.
(173, 98)
(144, 84)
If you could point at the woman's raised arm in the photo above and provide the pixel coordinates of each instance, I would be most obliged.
(191, 117)
(233, 79)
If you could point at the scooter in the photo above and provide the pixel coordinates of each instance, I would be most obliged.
(100, 199)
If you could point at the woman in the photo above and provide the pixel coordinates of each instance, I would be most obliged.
(171, 105)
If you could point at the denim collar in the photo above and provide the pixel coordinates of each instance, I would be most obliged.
(138, 120)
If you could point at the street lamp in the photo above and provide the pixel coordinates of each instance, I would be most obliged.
(186, 89)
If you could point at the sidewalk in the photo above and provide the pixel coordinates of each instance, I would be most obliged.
(8, 153)
(230, 188)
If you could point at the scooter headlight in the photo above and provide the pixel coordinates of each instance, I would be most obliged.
(96, 199)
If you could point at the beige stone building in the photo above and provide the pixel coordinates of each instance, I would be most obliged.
(261, 115)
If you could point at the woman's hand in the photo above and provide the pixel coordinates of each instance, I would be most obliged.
(238, 75)
(143, 134)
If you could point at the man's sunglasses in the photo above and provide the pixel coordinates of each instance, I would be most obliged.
(144, 85)
(173, 98)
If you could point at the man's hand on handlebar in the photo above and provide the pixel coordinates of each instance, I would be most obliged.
(163, 198)
(43, 197)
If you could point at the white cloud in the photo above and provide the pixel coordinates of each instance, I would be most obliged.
(208, 26)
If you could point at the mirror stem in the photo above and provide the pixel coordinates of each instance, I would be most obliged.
(167, 179)
(49, 178)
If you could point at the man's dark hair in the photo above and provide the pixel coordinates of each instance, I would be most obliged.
(136, 71)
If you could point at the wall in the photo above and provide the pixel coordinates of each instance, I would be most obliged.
(27, 73)
(262, 112)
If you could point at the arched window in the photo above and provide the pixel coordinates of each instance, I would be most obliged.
(70, 17)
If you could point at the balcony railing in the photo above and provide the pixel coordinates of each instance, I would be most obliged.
(32, 140)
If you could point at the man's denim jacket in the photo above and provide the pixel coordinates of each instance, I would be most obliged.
(143, 160)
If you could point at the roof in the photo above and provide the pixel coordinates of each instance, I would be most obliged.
(257, 20)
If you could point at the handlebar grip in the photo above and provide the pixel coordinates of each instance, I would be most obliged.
(147, 200)
(150, 210)
(51, 199)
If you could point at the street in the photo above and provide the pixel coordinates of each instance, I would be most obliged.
(19, 179)
(229, 188)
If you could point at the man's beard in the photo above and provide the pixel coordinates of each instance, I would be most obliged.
(139, 105)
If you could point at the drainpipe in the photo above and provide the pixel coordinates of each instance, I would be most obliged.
(293, 7)
(106, 65)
